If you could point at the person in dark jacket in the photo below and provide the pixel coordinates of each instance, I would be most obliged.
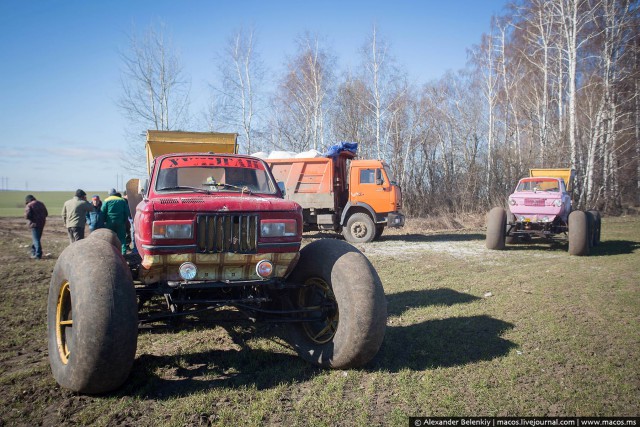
(95, 218)
(116, 216)
(36, 213)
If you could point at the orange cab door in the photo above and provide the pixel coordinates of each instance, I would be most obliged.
(370, 185)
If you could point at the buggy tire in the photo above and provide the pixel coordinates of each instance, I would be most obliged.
(496, 225)
(591, 221)
(510, 239)
(108, 236)
(92, 318)
(360, 228)
(336, 275)
(579, 233)
(597, 227)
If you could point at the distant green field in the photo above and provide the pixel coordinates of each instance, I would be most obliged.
(12, 202)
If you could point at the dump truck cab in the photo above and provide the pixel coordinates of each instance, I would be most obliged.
(372, 188)
(357, 198)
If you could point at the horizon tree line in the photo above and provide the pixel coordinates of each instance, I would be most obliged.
(550, 84)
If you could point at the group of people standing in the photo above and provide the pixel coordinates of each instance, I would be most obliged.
(77, 212)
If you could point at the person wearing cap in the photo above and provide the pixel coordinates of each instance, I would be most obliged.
(116, 214)
(74, 215)
(36, 213)
(95, 219)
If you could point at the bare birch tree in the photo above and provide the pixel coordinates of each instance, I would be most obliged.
(239, 96)
(303, 97)
(155, 90)
(349, 116)
(386, 86)
(574, 17)
(537, 30)
(484, 58)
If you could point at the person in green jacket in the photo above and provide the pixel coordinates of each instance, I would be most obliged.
(116, 215)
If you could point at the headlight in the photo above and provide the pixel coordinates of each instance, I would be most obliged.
(557, 203)
(512, 202)
(264, 268)
(278, 227)
(188, 271)
(172, 230)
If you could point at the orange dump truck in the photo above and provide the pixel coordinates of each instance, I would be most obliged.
(355, 197)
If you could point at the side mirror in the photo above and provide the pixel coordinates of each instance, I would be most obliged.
(282, 188)
(143, 185)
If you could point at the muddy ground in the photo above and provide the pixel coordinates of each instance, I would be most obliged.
(470, 332)
(24, 368)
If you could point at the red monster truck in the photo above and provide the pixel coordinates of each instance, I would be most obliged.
(214, 235)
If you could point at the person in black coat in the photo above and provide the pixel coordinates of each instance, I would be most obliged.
(36, 214)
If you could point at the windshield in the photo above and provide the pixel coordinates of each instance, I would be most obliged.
(213, 174)
(388, 172)
(540, 184)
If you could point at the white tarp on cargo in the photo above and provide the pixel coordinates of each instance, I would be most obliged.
(309, 154)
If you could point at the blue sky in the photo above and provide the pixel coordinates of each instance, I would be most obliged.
(60, 65)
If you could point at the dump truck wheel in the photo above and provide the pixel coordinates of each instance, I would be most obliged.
(360, 228)
(578, 233)
(496, 224)
(597, 227)
(92, 318)
(379, 231)
(351, 316)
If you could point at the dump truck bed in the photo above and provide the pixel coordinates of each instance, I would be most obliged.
(308, 182)
(161, 142)
(566, 174)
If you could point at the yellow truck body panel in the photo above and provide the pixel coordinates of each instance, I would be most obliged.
(161, 142)
(566, 174)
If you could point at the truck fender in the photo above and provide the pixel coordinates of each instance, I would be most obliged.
(349, 207)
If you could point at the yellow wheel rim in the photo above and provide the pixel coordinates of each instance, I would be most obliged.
(64, 322)
(315, 296)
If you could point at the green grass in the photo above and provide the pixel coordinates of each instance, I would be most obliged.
(12, 202)
(528, 331)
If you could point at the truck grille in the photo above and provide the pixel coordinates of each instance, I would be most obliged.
(227, 233)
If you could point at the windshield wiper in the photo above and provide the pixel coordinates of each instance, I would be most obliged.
(225, 185)
(184, 187)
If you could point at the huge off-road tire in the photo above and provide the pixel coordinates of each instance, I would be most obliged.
(350, 327)
(360, 228)
(496, 225)
(578, 233)
(107, 235)
(591, 220)
(597, 227)
(92, 318)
